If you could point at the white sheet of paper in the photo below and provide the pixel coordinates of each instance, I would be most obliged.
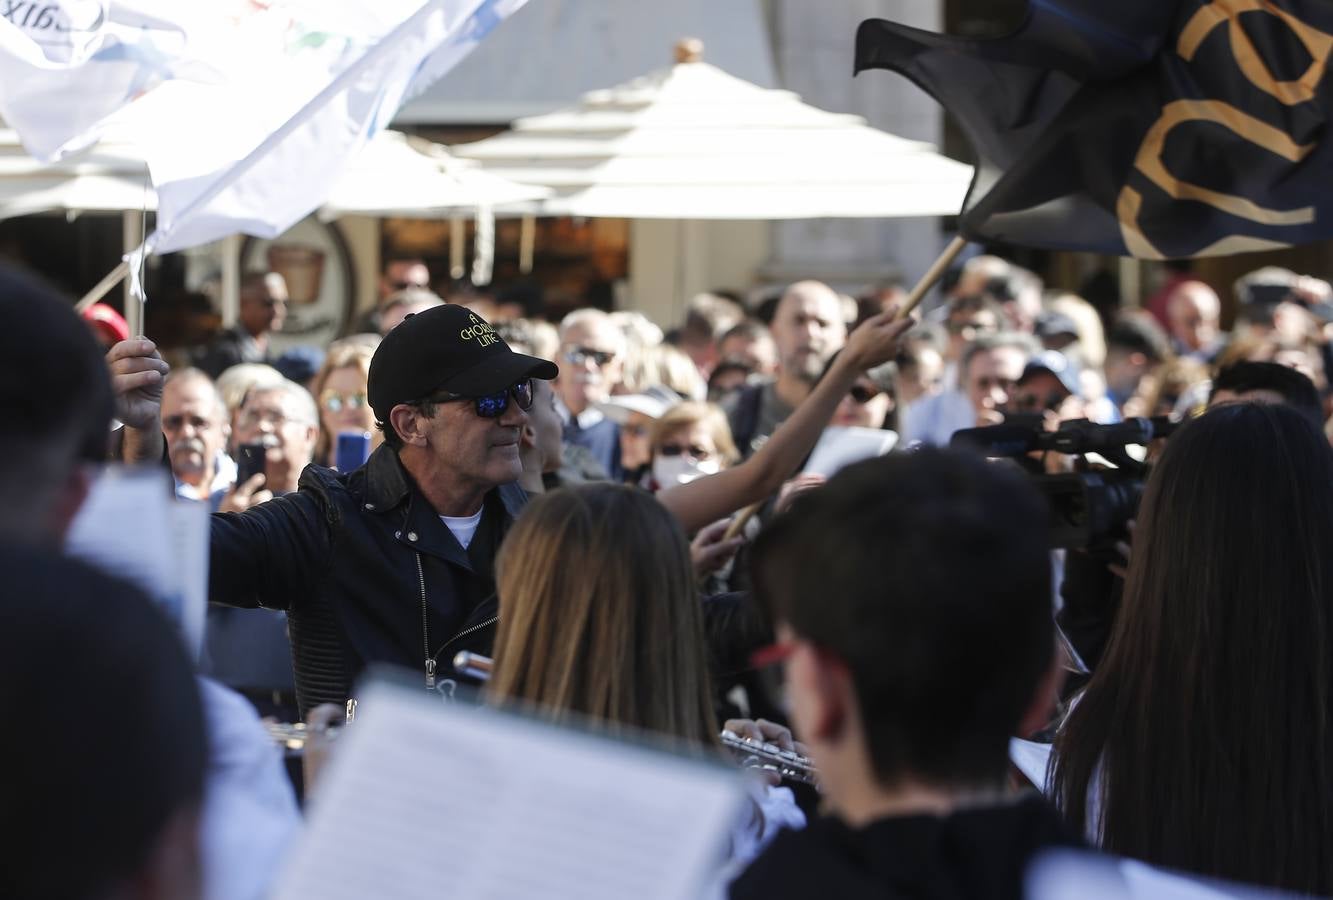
(840, 446)
(429, 800)
(132, 527)
(189, 535)
(1059, 875)
(1031, 758)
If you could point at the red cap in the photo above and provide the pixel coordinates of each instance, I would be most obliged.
(107, 322)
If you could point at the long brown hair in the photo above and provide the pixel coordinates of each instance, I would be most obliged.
(1210, 718)
(599, 614)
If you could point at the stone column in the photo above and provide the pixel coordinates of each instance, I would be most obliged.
(813, 47)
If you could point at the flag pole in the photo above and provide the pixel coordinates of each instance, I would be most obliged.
(113, 278)
(933, 274)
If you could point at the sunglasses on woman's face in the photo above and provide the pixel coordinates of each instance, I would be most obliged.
(492, 406)
(334, 401)
(691, 450)
(863, 394)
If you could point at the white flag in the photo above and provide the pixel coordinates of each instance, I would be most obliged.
(246, 110)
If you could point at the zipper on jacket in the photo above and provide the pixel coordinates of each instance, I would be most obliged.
(425, 630)
(466, 631)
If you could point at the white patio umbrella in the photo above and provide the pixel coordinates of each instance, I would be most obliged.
(394, 175)
(109, 177)
(397, 175)
(692, 142)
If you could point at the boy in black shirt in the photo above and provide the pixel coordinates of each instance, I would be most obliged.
(912, 602)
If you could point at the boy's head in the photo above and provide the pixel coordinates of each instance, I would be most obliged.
(105, 768)
(913, 594)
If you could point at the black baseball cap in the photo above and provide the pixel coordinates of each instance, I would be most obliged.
(445, 348)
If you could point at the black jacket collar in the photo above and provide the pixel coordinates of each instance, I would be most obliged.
(388, 485)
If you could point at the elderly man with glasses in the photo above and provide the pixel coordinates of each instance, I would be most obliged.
(592, 350)
(393, 562)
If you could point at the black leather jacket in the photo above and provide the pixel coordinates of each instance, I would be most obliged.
(367, 573)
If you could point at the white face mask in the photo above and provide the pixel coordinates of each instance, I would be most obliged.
(669, 471)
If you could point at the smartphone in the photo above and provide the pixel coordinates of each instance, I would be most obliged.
(249, 461)
(352, 451)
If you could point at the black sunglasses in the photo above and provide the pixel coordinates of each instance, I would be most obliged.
(492, 406)
(577, 356)
(861, 394)
(1030, 402)
(676, 450)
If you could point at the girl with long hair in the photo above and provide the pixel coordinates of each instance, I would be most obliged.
(599, 615)
(1204, 740)
(600, 622)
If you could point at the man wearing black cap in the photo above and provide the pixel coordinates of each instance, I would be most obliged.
(392, 563)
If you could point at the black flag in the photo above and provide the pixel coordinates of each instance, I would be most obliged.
(1152, 128)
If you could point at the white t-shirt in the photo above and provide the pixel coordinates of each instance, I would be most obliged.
(463, 527)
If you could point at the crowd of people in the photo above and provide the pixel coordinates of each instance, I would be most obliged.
(623, 518)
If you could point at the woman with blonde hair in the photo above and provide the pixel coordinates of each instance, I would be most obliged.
(689, 441)
(600, 621)
(340, 390)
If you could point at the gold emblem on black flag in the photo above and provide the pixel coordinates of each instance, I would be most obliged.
(1257, 72)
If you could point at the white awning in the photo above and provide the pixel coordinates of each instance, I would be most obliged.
(693, 142)
(109, 177)
(393, 175)
(397, 175)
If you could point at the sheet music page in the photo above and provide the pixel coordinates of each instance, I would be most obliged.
(1061, 874)
(1031, 758)
(132, 527)
(189, 545)
(840, 446)
(428, 800)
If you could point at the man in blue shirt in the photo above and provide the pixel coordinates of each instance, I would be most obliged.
(592, 361)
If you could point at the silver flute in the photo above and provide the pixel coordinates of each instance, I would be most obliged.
(748, 752)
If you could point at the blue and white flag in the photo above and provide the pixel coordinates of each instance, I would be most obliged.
(245, 110)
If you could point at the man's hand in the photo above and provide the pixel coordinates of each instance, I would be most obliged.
(319, 742)
(137, 374)
(1309, 290)
(875, 341)
(794, 487)
(243, 496)
(709, 552)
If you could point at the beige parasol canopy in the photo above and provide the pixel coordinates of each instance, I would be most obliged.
(692, 142)
(394, 175)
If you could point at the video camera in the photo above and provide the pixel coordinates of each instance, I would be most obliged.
(1088, 507)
